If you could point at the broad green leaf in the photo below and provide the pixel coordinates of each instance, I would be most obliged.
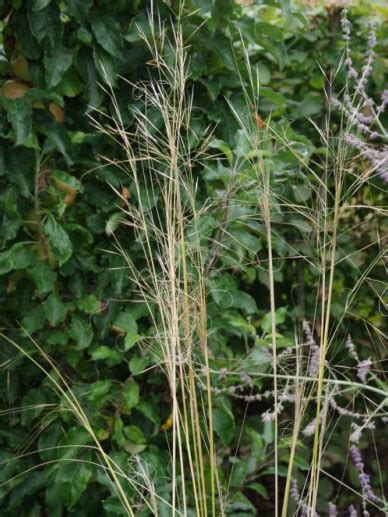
(48, 440)
(38, 5)
(126, 322)
(57, 139)
(69, 180)
(34, 320)
(130, 395)
(87, 70)
(245, 302)
(90, 304)
(43, 277)
(104, 353)
(54, 310)
(59, 240)
(29, 485)
(81, 332)
(260, 489)
(56, 64)
(301, 192)
(107, 33)
(277, 98)
(150, 411)
(106, 66)
(138, 364)
(20, 256)
(70, 85)
(71, 481)
(130, 340)
(99, 390)
(78, 8)
(46, 26)
(224, 147)
(280, 317)
(114, 222)
(19, 115)
(134, 434)
(224, 424)
(24, 37)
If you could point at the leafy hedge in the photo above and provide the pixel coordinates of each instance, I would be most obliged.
(60, 284)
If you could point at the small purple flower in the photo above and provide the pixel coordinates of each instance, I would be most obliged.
(332, 510)
(364, 478)
(352, 511)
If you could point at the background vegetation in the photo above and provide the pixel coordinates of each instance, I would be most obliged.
(64, 288)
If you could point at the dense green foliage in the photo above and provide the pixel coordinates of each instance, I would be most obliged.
(60, 282)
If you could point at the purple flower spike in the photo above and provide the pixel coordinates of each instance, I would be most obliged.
(352, 511)
(363, 368)
(364, 478)
(332, 510)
